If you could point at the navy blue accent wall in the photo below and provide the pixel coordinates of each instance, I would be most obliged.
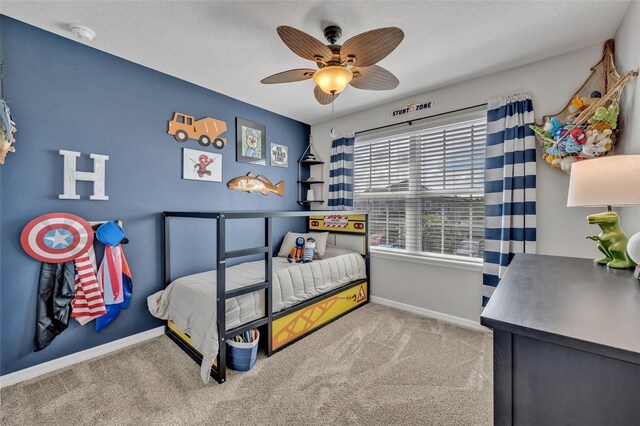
(64, 95)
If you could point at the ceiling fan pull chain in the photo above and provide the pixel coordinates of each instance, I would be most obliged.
(332, 133)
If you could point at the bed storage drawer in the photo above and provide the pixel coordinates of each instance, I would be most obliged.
(308, 317)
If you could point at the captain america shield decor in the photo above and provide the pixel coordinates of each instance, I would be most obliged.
(56, 237)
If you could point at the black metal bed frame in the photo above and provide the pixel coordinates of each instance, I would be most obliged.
(218, 371)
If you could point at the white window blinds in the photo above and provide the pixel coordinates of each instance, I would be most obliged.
(424, 189)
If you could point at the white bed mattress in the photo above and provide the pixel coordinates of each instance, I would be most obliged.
(190, 301)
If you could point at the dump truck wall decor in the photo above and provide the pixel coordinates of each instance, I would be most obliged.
(206, 130)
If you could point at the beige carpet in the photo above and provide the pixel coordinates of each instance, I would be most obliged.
(374, 366)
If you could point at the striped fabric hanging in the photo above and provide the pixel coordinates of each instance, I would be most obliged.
(341, 174)
(510, 186)
(88, 303)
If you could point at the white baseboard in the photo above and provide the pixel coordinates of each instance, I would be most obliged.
(462, 322)
(66, 361)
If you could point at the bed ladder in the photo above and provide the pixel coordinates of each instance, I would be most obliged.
(222, 293)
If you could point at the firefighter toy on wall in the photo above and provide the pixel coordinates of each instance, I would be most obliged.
(297, 253)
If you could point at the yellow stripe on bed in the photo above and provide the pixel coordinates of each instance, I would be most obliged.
(290, 327)
(186, 339)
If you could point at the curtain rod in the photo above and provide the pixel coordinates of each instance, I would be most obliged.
(410, 122)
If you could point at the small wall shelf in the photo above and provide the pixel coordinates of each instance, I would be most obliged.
(311, 182)
(306, 181)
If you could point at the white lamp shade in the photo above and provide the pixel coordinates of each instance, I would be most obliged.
(608, 181)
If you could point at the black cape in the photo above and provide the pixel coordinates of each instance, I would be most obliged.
(56, 288)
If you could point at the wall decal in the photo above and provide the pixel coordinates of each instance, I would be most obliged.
(71, 176)
(412, 107)
(251, 142)
(207, 130)
(279, 155)
(201, 165)
(253, 183)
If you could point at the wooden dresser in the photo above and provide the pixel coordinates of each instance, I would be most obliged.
(566, 343)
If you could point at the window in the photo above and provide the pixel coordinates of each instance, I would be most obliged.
(424, 189)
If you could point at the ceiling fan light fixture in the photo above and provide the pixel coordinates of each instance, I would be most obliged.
(352, 63)
(333, 79)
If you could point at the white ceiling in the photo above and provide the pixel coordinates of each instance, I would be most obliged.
(230, 46)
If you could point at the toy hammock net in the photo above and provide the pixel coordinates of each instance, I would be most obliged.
(587, 126)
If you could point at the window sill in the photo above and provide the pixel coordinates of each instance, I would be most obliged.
(442, 261)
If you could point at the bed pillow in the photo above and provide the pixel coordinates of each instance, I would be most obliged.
(289, 242)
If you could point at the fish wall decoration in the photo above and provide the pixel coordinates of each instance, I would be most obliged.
(253, 183)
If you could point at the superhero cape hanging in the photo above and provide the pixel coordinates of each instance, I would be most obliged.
(117, 284)
(114, 274)
(57, 240)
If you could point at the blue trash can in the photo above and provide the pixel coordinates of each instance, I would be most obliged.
(242, 356)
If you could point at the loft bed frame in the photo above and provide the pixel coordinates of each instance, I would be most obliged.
(291, 324)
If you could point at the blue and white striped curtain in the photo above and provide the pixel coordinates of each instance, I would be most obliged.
(341, 174)
(510, 186)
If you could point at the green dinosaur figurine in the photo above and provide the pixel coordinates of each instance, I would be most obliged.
(612, 240)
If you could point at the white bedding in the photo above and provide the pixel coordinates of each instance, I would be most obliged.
(190, 301)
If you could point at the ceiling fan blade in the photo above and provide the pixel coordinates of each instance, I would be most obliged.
(372, 46)
(303, 45)
(373, 78)
(289, 76)
(324, 98)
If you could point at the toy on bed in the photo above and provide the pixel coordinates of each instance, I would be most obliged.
(297, 253)
(587, 126)
(309, 250)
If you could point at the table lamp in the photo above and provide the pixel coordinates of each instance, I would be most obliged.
(608, 181)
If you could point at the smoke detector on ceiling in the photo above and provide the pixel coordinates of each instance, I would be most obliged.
(82, 32)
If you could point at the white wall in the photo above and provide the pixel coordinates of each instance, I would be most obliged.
(561, 230)
(449, 290)
(628, 58)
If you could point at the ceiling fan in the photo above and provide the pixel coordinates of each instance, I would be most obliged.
(338, 65)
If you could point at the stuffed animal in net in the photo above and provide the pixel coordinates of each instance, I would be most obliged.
(598, 143)
(309, 250)
(587, 127)
(296, 254)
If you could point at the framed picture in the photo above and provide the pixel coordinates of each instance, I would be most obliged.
(279, 155)
(251, 142)
(201, 165)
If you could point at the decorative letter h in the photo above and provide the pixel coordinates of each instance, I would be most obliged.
(71, 175)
